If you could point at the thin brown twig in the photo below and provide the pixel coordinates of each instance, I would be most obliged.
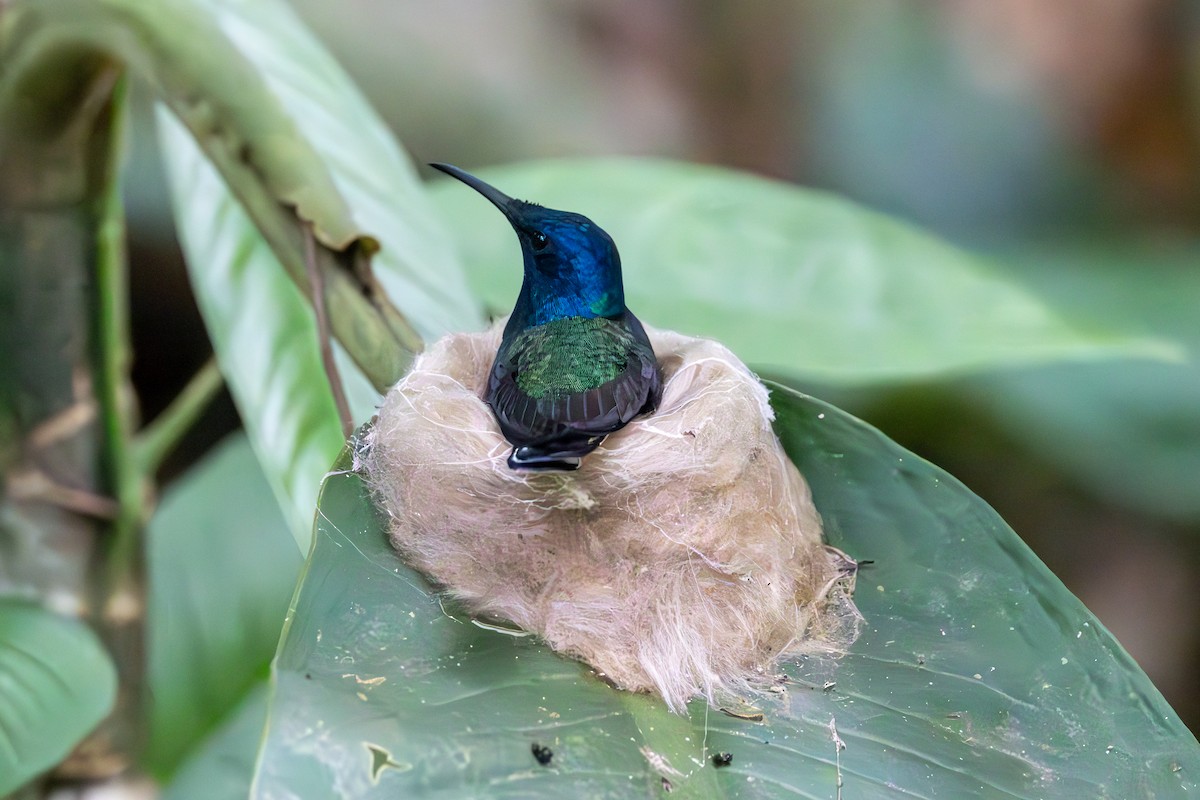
(316, 283)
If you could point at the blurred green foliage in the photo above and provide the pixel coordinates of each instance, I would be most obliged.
(1059, 140)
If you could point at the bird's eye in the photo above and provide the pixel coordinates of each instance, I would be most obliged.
(539, 240)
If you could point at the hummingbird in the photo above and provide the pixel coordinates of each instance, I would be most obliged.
(574, 364)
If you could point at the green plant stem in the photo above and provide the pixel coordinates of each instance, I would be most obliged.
(60, 144)
(119, 586)
(112, 348)
(156, 441)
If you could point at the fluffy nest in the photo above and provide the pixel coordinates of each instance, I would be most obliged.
(684, 557)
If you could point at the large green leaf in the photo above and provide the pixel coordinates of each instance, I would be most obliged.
(1130, 431)
(315, 123)
(262, 330)
(222, 568)
(327, 127)
(788, 278)
(977, 674)
(56, 683)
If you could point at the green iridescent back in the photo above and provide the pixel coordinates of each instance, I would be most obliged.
(568, 356)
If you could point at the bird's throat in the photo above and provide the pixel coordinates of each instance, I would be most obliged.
(580, 295)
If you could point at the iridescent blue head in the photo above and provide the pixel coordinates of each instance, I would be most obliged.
(571, 265)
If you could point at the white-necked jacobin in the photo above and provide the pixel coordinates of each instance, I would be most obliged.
(574, 364)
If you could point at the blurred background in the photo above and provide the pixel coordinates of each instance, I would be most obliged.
(1061, 138)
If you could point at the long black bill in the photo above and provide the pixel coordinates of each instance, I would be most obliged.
(499, 199)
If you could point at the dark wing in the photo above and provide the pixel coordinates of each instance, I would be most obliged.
(577, 418)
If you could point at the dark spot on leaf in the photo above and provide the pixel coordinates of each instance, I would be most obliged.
(308, 676)
(542, 754)
(722, 759)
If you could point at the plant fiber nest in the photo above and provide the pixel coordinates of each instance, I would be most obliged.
(683, 557)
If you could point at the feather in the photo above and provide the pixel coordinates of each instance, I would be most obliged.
(555, 411)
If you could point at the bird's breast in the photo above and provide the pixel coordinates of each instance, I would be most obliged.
(568, 356)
